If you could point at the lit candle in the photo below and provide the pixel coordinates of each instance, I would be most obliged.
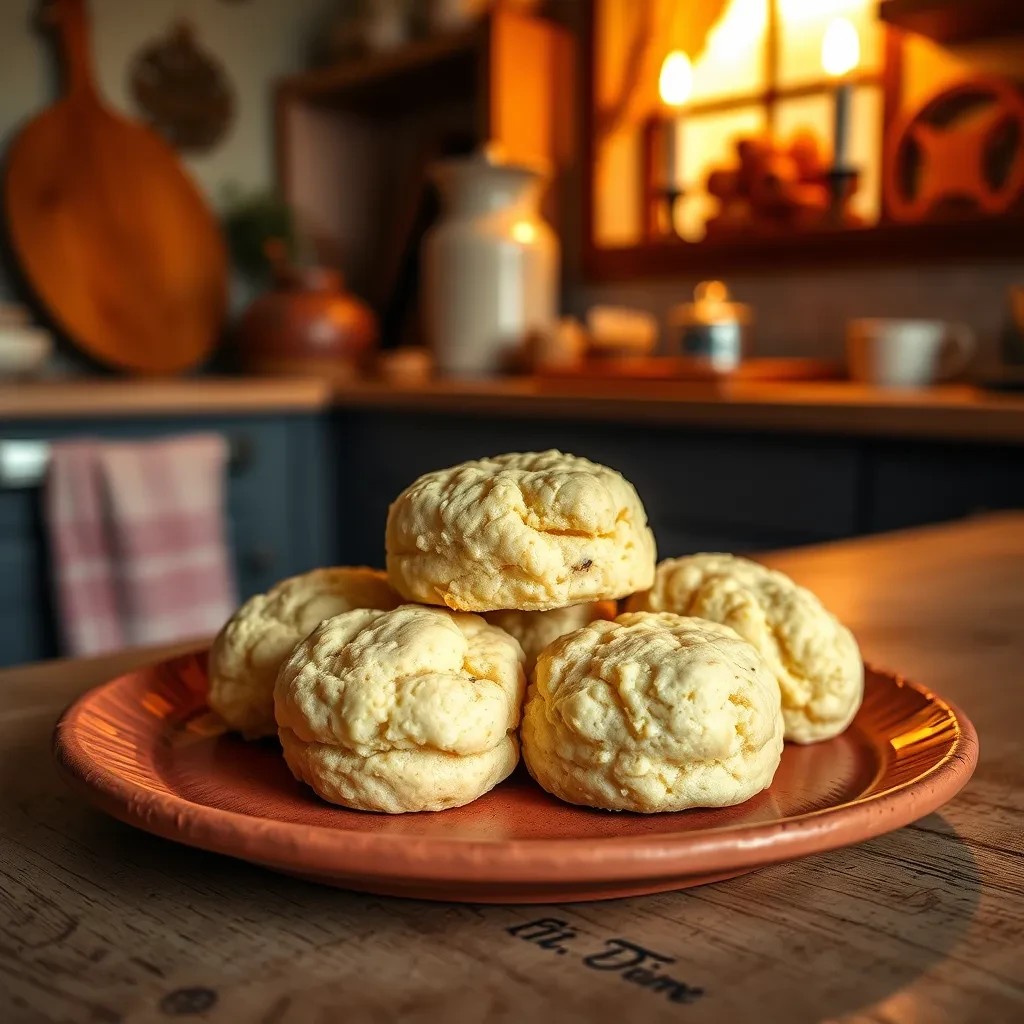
(675, 82)
(840, 54)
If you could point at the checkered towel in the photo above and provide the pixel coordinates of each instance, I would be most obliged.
(138, 541)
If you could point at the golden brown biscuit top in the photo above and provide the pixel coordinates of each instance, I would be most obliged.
(248, 651)
(529, 531)
(411, 678)
(815, 657)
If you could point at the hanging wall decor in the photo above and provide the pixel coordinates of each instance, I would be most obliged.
(183, 90)
(962, 151)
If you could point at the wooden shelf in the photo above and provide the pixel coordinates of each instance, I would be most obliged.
(955, 21)
(932, 241)
(412, 74)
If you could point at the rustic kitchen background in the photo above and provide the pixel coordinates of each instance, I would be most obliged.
(362, 171)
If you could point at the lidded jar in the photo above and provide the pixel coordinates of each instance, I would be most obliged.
(712, 328)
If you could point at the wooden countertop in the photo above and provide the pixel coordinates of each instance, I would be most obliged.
(925, 924)
(956, 412)
(95, 397)
(949, 412)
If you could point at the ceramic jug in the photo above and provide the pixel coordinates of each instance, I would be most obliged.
(490, 265)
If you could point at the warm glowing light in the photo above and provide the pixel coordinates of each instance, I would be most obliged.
(524, 232)
(817, 11)
(675, 82)
(741, 29)
(840, 49)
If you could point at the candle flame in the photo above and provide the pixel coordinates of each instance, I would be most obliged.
(675, 82)
(840, 49)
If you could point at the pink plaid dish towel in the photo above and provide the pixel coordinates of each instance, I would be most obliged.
(139, 541)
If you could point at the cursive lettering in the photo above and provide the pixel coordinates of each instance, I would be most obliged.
(546, 932)
(627, 960)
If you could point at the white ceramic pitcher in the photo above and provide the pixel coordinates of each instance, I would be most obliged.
(490, 265)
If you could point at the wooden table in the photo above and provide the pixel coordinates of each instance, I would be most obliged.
(102, 923)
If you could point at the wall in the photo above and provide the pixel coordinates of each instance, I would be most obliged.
(804, 312)
(256, 40)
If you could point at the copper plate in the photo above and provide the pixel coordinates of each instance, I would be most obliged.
(144, 748)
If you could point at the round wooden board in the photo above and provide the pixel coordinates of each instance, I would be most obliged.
(115, 239)
(145, 749)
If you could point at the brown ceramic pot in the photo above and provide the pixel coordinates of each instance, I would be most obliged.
(307, 325)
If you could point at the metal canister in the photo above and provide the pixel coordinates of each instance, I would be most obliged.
(711, 328)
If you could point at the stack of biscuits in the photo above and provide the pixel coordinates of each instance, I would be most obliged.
(523, 610)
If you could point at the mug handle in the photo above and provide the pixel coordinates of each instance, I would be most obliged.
(960, 345)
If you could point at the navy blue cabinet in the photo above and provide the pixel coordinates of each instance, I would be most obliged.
(702, 490)
(313, 489)
(281, 512)
(913, 484)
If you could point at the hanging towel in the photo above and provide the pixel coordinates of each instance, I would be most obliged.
(168, 572)
(80, 555)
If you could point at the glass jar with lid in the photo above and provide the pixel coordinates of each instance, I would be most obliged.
(711, 328)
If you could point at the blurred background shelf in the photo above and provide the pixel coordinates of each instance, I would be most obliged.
(984, 238)
(418, 73)
(354, 143)
(955, 21)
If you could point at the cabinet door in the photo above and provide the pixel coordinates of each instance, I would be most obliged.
(700, 489)
(27, 626)
(279, 514)
(281, 500)
(917, 484)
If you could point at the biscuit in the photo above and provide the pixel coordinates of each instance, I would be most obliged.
(535, 630)
(247, 653)
(530, 531)
(813, 655)
(652, 712)
(413, 709)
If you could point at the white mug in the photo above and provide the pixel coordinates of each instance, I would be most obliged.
(906, 353)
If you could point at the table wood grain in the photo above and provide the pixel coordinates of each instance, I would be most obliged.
(103, 923)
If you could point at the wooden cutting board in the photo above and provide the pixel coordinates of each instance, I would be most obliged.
(114, 237)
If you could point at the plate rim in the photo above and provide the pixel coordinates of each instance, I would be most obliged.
(348, 853)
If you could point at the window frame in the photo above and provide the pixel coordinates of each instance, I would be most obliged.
(978, 237)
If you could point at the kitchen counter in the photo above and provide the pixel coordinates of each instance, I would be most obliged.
(924, 924)
(103, 397)
(952, 412)
(835, 408)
